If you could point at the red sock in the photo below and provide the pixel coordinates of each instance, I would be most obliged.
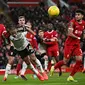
(49, 66)
(59, 64)
(18, 68)
(76, 67)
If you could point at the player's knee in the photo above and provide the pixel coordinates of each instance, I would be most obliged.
(24, 65)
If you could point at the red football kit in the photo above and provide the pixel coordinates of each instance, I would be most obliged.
(2, 31)
(72, 45)
(32, 40)
(52, 46)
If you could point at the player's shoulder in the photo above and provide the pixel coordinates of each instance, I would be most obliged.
(1, 25)
(73, 20)
(46, 32)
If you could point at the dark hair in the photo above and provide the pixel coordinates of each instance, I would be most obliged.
(11, 26)
(80, 11)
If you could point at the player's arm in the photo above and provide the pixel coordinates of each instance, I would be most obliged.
(55, 37)
(70, 31)
(30, 30)
(49, 42)
(83, 35)
(35, 44)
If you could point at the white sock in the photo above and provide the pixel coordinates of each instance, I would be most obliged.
(39, 64)
(24, 67)
(46, 64)
(84, 62)
(8, 68)
(33, 69)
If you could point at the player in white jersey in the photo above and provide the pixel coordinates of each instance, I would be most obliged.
(25, 50)
(42, 49)
(21, 66)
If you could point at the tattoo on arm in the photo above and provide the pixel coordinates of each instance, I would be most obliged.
(71, 25)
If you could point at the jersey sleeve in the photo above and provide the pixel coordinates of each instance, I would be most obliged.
(55, 34)
(3, 29)
(71, 23)
(35, 44)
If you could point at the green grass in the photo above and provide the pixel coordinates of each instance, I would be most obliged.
(54, 80)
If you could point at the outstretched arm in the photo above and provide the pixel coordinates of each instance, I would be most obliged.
(70, 31)
(30, 30)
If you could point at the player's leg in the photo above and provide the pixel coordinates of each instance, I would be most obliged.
(49, 54)
(78, 54)
(18, 68)
(25, 56)
(43, 58)
(83, 63)
(21, 68)
(28, 62)
(33, 57)
(24, 67)
(59, 65)
(67, 53)
(75, 69)
(45, 62)
(56, 58)
(8, 67)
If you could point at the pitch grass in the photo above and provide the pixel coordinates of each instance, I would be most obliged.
(54, 80)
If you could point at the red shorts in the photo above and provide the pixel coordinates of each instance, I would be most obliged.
(53, 51)
(72, 50)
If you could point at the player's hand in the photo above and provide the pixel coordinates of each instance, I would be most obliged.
(28, 26)
(38, 52)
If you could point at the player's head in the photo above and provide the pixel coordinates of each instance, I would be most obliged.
(79, 14)
(12, 29)
(21, 20)
(29, 24)
(49, 26)
(41, 33)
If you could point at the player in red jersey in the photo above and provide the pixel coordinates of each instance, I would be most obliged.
(2, 31)
(51, 40)
(72, 44)
(32, 39)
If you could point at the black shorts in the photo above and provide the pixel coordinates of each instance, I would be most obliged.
(41, 58)
(27, 51)
(12, 52)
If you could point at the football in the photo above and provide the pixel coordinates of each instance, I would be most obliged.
(53, 11)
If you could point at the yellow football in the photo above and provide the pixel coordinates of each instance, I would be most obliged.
(53, 11)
